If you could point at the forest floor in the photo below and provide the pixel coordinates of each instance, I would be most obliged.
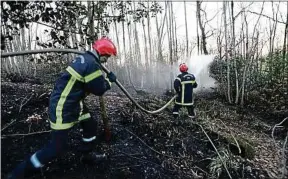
(143, 145)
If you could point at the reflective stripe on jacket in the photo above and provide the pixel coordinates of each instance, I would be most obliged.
(81, 77)
(183, 85)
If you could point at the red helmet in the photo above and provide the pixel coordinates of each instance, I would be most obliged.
(105, 46)
(183, 67)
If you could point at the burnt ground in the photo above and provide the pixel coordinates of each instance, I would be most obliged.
(142, 145)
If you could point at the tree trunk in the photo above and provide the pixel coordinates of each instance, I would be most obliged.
(91, 22)
(203, 35)
(5, 61)
(145, 47)
(124, 45)
(197, 31)
(19, 59)
(226, 54)
(117, 40)
(130, 62)
(82, 42)
(284, 50)
(136, 41)
(14, 61)
(234, 53)
(137, 46)
(35, 60)
(149, 35)
(186, 29)
(285, 35)
(175, 36)
(169, 30)
(159, 50)
(247, 64)
(274, 25)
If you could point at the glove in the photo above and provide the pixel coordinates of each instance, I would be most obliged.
(111, 76)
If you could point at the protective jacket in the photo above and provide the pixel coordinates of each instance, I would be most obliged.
(81, 77)
(183, 85)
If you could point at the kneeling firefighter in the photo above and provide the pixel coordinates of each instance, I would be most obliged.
(183, 85)
(66, 107)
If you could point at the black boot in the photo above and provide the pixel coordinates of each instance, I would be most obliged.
(176, 116)
(191, 112)
(89, 156)
(92, 158)
(176, 119)
(23, 169)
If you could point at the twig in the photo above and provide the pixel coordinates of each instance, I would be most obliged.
(33, 133)
(201, 170)
(275, 20)
(42, 95)
(129, 166)
(243, 171)
(28, 132)
(283, 154)
(211, 108)
(216, 151)
(67, 30)
(8, 125)
(194, 174)
(143, 160)
(151, 147)
(284, 158)
(22, 104)
(231, 135)
(277, 125)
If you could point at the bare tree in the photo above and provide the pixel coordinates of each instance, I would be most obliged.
(149, 34)
(285, 35)
(173, 33)
(145, 46)
(186, 29)
(159, 40)
(233, 52)
(250, 51)
(273, 27)
(137, 45)
(226, 53)
(82, 41)
(159, 29)
(91, 19)
(136, 42)
(130, 59)
(117, 37)
(285, 44)
(170, 42)
(6, 61)
(197, 31)
(124, 39)
(203, 34)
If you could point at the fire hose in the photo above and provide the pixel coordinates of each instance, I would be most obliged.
(7, 54)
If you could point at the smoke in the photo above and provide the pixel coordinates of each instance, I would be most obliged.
(160, 76)
(197, 65)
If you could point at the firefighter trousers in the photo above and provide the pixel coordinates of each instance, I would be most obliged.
(56, 147)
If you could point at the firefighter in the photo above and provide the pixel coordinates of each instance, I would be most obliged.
(183, 85)
(66, 107)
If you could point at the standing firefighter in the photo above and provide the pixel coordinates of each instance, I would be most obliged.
(66, 108)
(183, 85)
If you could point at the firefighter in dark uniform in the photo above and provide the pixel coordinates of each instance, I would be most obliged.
(66, 107)
(183, 85)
